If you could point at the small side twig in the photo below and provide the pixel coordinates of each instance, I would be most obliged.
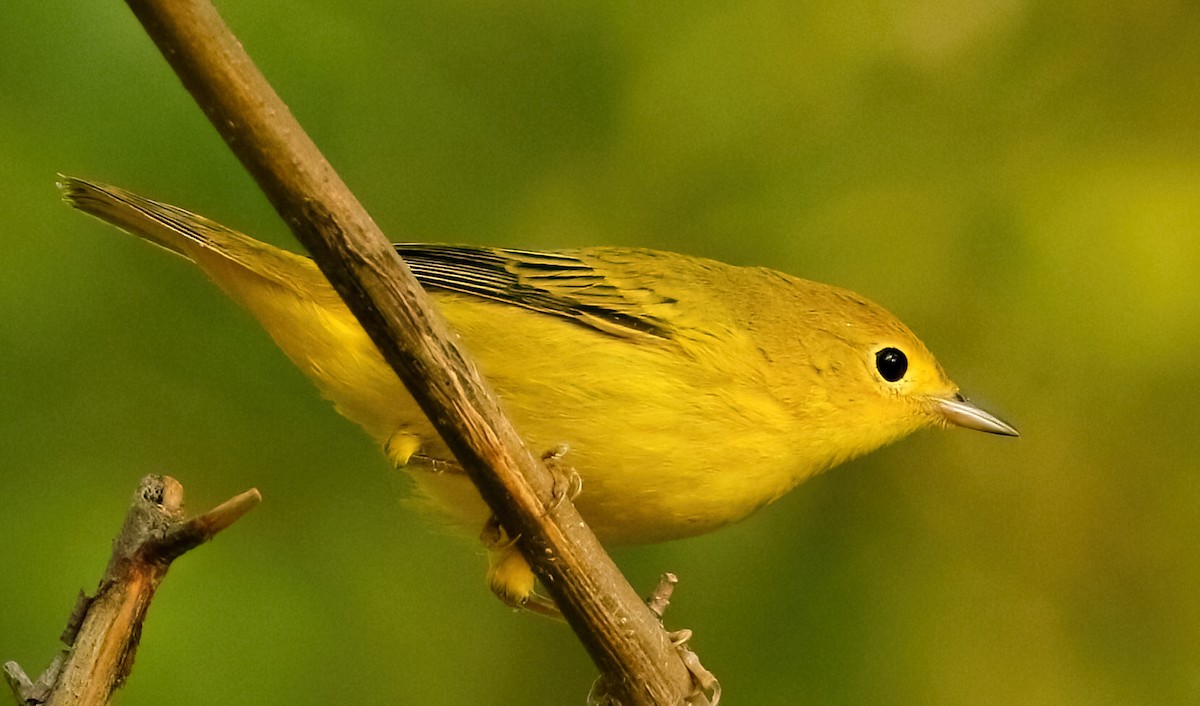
(103, 631)
(660, 597)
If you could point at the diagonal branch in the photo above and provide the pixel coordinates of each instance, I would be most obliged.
(625, 640)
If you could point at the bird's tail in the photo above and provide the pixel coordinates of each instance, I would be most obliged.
(205, 242)
(166, 226)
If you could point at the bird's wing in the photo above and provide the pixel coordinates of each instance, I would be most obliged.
(560, 284)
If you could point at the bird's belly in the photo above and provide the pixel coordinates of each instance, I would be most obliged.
(638, 483)
(665, 446)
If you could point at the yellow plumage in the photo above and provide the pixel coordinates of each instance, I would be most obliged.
(689, 392)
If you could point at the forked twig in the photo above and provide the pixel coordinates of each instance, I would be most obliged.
(103, 631)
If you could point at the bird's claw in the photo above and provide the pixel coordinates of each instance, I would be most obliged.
(567, 483)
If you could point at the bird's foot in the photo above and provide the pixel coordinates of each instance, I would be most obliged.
(509, 575)
(567, 483)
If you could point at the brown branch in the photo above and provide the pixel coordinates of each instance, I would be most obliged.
(103, 631)
(620, 633)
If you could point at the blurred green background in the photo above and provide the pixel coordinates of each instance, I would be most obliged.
(1018, 180)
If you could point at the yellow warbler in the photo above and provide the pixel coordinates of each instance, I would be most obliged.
(689, 392)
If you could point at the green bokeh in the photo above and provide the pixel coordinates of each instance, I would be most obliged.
(1019, 181)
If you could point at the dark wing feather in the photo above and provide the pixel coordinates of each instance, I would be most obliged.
(555, 283)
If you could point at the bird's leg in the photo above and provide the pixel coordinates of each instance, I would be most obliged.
(567, 483)
(401, 447)
(512, 580)
(509, 575)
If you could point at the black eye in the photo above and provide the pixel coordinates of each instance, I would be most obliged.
(891, 364)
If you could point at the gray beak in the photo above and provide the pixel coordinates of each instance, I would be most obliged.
(959, 412)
